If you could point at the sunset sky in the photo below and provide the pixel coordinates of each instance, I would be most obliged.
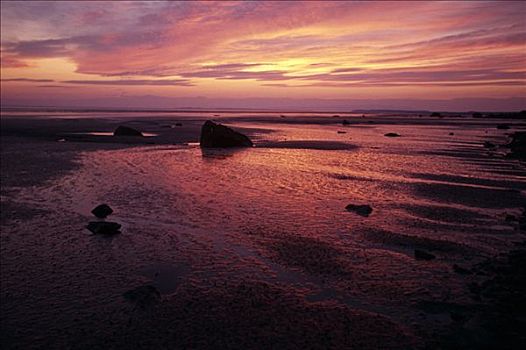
(227, 54)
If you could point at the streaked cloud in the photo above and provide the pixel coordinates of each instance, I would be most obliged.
(332, 49)
(142, 82)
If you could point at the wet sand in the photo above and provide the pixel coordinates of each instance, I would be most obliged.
(253, 248)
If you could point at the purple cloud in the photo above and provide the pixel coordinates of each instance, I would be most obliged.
(164, 82)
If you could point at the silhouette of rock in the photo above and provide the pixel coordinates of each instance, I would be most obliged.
(510, 218)
(143, 296)
(392, 134)
(423, 255)
(503, 126)
(363, 210)
(451, 133)
(178, 124)
(346, 122)
(477, 115)
(102, 211)
(488, 144)
(104, 227)
(216, 136)
(461, 270)
(517, 145)
(436, 114)
(126, 131)
(341, 132)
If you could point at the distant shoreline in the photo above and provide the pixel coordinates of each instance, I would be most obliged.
(384, 112)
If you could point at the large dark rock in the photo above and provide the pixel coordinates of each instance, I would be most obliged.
(102, 211)
(392, 134)
(215, 135)
(126, 131)
(363, 210)
(104, 227)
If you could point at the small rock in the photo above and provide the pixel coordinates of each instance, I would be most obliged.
(423, 255)
(510, 218)
(178, 124)
(104, 227)
(346, 122)
(342, 132)
(517, 145)
(126, 131)
(435, 114)
(451, 133)
(503, 126)
(363, 210)
(101, 211)
(457, 316)
(460, 270)
(392, 134)
(488, 144)
(143, 296)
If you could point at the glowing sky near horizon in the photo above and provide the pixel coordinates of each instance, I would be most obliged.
(332, 50)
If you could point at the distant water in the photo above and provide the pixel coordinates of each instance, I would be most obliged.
(108, 113)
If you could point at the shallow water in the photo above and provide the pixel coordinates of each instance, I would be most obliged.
(108, 133)
(277, 215)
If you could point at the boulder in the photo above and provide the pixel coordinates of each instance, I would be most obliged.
(362, 210)
(104, 227)
(392, 134)
(126, 131)
(423, 255)
(102, 211)
(215, 135)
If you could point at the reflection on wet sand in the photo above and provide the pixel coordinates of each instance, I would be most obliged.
(256, 243)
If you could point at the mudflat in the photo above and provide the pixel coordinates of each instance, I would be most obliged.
(254, 246)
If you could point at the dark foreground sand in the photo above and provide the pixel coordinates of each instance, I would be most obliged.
(62, 288)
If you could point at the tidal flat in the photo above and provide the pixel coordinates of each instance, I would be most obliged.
(253, 248)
